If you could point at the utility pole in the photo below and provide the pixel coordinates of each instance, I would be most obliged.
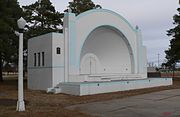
(158, 59)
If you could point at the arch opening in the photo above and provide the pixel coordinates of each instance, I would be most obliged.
(106, 51)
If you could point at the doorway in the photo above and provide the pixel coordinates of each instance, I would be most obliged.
(89, 64)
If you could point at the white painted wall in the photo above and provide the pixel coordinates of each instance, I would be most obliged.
(57, 59)
(96, 88)
(144, 62)
(111, 50)
(90, 88)
(49, 75)
(101, 33)
(87, 22)
(41, 43)
(40, 77)
(82, 26)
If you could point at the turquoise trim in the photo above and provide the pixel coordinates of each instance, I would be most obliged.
(71, 14)
(46, 67)
(107, 11)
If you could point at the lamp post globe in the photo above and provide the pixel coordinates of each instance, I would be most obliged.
(20, 103)
(21, 23)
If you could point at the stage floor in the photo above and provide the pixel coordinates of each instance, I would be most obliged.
(90, 88)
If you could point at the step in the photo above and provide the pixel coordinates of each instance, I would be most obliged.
(54, 90)
(57, 90)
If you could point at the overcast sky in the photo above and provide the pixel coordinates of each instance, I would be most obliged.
(153, 17)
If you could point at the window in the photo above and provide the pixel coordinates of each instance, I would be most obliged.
(39, 59)
(42, 58)
(34, 59)
(58, 50)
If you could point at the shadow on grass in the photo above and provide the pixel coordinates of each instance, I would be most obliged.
(10, 102)
(12, 83)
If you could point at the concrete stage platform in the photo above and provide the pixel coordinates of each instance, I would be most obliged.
(90, 88)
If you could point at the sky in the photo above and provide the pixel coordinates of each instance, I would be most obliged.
(153, 17)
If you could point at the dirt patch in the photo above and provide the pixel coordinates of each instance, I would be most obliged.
(41, 104)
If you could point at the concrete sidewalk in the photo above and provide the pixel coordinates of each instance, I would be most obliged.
(159, 104)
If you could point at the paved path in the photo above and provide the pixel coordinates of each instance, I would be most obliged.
(159, 104)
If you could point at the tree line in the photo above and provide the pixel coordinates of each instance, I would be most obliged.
(41, 18)
(173, 52)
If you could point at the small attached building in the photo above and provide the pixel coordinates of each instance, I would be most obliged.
(45, 61)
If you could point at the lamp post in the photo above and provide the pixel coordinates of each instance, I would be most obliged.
(20, 103)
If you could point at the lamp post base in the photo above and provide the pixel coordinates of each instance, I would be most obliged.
(20, 106)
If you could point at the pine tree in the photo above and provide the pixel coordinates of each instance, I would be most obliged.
(79, 6)
(173, 53)
(42, 18)
(10, 11)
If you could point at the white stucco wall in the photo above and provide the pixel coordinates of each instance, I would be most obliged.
(110, 49)
(110, 41)
(80, 27)
(90, 88)
(144, 63)
(42, 77)
(57, 59)
(105, 87)
(41, 43)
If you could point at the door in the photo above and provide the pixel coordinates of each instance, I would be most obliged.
(92, 65)
(88, 65)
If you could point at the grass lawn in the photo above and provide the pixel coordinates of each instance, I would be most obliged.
(41, 104)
